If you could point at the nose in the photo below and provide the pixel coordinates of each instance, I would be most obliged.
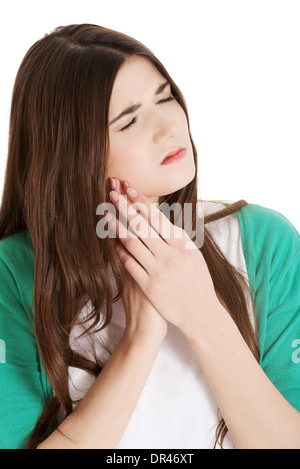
(165, 126)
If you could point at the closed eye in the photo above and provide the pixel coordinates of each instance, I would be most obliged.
(171, 98)
(168, 100)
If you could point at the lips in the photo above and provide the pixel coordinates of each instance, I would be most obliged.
(172, 153)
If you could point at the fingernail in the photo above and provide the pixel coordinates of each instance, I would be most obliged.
(113, 183)
(114, 196)
(131, 192)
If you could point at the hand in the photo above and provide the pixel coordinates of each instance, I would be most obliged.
(169, 269)
(142, 319)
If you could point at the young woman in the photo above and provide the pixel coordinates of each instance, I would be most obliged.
(139, 341)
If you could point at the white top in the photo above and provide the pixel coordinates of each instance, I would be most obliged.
(177, 408)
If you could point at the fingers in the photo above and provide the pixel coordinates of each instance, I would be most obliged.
(159, 223)
(136, 257)
(137, 223)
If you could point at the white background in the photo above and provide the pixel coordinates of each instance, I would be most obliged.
(237, 63)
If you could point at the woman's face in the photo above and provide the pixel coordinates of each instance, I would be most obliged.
(158, 127)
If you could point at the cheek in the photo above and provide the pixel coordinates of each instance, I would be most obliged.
(128, 150)
(183, 119)
(124, 161)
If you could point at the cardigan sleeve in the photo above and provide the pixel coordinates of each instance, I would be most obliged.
(22, 392)
(272, 252)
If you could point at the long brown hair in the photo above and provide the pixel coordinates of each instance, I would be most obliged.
(55, 178)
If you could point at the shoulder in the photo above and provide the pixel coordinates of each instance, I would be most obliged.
(255, 217)
(268, 238)
(223, 229)
(17, 268)
(16, 249)
(16, 246)
(266, 219)
(269, 232)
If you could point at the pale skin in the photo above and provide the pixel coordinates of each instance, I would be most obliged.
(159, 127)
(256, 414)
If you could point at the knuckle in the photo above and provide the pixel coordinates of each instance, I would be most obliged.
(130, 243)
(153, 285)
(169, 259)
(151, 289)
(169, 263)
(128, 263)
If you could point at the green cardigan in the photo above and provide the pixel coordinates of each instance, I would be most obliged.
(271, 247)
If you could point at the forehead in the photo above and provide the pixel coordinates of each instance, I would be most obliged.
(136, 79)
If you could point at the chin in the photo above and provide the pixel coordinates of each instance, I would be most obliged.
(176, 187)
(174, 184)
(185, 179)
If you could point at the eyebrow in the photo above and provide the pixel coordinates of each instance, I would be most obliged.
(135, 107)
